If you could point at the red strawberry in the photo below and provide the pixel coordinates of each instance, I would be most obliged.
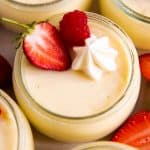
(5, 73)
(145, 65)
(44, 48)
(135, 131)
(74, 28)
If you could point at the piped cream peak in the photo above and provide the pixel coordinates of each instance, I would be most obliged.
(96, 57)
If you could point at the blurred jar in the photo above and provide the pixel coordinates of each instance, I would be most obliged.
(134, 19)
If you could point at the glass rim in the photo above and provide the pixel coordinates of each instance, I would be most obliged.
(102, 144)
(132, 13)
(127, 42)
(33, 5)
(5, 101)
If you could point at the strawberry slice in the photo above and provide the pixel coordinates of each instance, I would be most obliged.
(44, 48)
(145, 65)
(42, 45)
(135, 131)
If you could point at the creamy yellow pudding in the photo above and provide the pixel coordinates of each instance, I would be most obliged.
(104, 145)
(69, 106)
(15, 132)
(133, 16)
(27, 11)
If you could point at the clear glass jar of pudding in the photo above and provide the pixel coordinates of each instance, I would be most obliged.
(133, 16)
(104, 145)
(28, 11)
(15, 132)
(69, 107)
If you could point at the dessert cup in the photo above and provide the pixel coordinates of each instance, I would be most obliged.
(71, 126)
(134, 22)
(16, 132)
(104, 145)
(27, 13)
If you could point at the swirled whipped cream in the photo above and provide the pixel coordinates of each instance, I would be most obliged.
(96, 57)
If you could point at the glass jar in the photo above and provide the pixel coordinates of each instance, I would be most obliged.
(104, 145)
(135, 24)
(18, 128)
(91, 127)
(28, 13)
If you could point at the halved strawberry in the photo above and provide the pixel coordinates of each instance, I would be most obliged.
(135, 131)
(145, 65)
(44, 48)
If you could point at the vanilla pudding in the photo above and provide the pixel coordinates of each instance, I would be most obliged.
(15, 133)
(133, 16)
(69, 106)
(27, 11)
(73, 89)
(34, 1)
(104, 145)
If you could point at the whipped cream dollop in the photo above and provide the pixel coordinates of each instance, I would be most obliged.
(95, 57)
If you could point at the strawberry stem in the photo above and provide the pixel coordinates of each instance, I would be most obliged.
(16, 23)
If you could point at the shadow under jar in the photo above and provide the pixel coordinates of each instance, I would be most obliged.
(133, 16)
(36, 10)
(70, 107)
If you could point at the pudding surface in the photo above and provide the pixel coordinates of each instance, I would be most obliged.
(140, 6)
(72, 93)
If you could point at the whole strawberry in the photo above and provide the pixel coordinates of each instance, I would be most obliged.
(74, 28)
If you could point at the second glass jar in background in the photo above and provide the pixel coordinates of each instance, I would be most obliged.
(135, 24)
